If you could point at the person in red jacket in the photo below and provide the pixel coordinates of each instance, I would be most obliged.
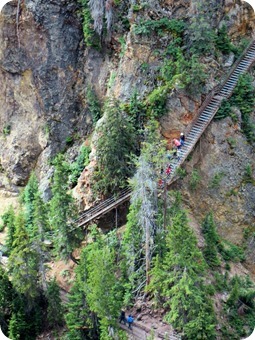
(168, 170)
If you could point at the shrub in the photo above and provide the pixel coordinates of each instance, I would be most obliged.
(222, 41)
(243, 97)
(156, 102)
(161, 26)
(248, 176)
(93, 104)
(81, 162)
(194, 179)
(90, 37)
(215, 182)
(231, 252)
(224, 110)
(7, 129)
(181, 172)
(232, 142)
(69, 141)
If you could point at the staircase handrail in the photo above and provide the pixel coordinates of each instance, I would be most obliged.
(101, 208)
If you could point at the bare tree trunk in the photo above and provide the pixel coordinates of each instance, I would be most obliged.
(165, 205)
(147, 252)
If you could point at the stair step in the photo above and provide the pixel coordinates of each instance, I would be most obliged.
(239, 69)
(211, 106)
(225, 91)
(198, 131)
(232, 80)
(203, 119)
(206, 115)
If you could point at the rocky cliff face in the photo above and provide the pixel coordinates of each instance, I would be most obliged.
(45, 68)
(42, 83)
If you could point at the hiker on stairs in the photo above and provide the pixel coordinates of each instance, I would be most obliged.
(176, 143)
(182, 139)
(168, 170)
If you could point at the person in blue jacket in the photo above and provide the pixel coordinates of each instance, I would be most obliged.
(130, 321)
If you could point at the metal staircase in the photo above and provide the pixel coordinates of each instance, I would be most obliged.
(211, 106)
(206, 113)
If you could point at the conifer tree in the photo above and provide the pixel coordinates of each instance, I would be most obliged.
(96, 297)
(202, 35)
(63, 212)
(28, 199)
(17, 326)
(212, 240)
(104, 294)
(10, 224)
(22, 264)
(26, 321)
(179, 281)
(6, 298)
(41, 233)
(54, 308)
(81, 321)
(116, 144)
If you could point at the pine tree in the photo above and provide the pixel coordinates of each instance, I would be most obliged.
(202, 35)
(81, 322)
(62, 212)
(212, 240)
(116, 144)
(10, 224)
(6, 298)
(103, 292)
(179, 281)
(22, 264)
(54, 308)
(96, 296)
(17, 326)
(28, 199)
(133, 266)
(26, 321)
(41, 233)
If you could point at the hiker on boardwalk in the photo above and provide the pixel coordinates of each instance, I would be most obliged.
(130, 321)
(122, 317)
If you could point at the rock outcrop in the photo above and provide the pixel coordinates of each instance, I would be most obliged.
(42, 85)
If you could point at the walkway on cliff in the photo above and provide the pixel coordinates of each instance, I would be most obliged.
(140, 332)
(204, 116)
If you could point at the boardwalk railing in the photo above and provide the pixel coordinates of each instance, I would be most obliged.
(205, 114)
(103, 207)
